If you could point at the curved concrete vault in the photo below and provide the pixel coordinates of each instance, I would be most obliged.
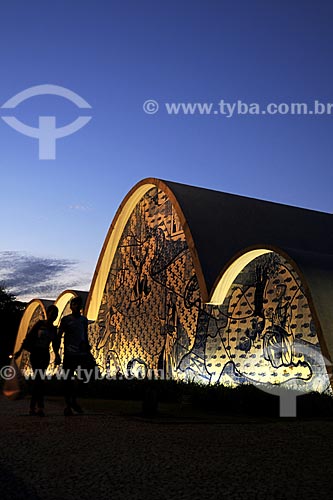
(213, 287)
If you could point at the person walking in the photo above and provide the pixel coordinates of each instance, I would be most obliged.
(76, 349)
(37, 342)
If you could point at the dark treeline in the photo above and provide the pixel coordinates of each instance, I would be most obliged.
(11, 311)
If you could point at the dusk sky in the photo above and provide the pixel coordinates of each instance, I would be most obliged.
(116, 55)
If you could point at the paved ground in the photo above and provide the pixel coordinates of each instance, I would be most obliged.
(104, 455)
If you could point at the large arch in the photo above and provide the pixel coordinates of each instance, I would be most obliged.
(115, 232)
(146, 312)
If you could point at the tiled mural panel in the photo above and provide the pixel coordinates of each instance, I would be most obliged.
(152, 315)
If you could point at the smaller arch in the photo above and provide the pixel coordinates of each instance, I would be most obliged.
(64, 298)
(26, 319)
(61, 303)
(242, 259)
(231, 272)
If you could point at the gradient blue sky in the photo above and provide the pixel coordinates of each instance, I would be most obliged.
(117, 54)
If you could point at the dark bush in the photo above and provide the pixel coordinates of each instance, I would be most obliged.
(244, 400)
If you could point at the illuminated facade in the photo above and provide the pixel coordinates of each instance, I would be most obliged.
(217, 299)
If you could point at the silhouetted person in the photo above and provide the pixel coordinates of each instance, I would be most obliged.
(76, 346)
(37, 342)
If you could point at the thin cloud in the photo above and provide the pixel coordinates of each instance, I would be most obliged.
(28, 276)
(78, 206)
